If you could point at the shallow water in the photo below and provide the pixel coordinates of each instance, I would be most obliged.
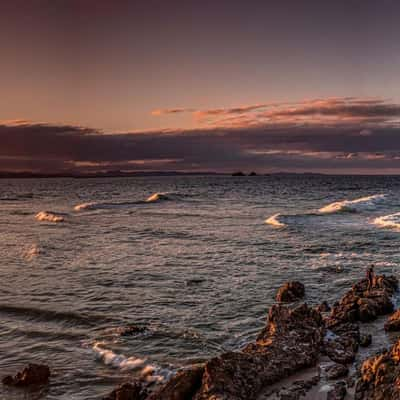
(198, 267)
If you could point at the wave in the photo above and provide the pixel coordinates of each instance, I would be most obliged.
(388, 221)
(274, 220)
(148, 371)
(49, 216)
(154, 198)
(159, 197)
(41, 314)
(363, 203)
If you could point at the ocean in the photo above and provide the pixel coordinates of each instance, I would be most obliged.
(195, 260)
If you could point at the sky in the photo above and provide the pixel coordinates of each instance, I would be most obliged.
(269, 86)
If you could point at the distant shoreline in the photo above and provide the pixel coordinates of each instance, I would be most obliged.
(112, 174)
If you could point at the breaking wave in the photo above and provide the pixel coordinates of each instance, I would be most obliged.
(388, 221)
(363, 203)
(147, 371)
(49, 216)
(154, 198)
(158, 197)
(274, 220)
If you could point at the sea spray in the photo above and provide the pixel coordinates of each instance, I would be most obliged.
(363, 203)
(391, 221)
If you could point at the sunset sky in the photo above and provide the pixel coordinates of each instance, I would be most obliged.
(200, 85)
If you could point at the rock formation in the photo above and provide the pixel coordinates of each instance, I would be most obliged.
(33, 374)
(290, 292)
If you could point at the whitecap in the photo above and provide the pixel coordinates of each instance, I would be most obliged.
(49, 216)
(148, 371)
(274, 220)
(157, 197)
(391, 221)
(363, 203)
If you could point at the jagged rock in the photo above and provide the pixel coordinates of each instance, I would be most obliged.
(360, 303)
(33, 374)
(336, 371)
(393, 322)
(365, 340)
(338, 392)
(241, 375)
(128, 391)
(380, 376)
(290, 291)
(323, 307)
(182, 386)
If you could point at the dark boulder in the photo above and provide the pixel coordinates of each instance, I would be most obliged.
(182, 386)
(128, 391)
(290, 291)
(336, 371)
(33, 374)
(338, 392)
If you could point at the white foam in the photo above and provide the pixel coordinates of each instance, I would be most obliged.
(274, 220)
(149, 372)
(49, 216)
(86, 206)
(388, 221)
(363, 203)
(157, 197)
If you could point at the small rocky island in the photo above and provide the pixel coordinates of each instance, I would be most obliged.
(303, 352)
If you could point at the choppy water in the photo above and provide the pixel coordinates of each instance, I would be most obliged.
(198, 266)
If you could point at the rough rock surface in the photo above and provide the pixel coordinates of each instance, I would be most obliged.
(336, 371)
(182, 386)
(393, 322)
(128, 391)
(33, 374)
(241, 375)
(360, 303)
(290, 291)
(338, 392)
(380, 376)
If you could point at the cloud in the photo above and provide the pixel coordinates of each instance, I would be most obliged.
(331, 110)
(361, 142)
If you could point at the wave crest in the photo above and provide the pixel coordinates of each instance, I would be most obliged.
(158, 197)
(49, 216)
(388, 221)
(274, 220)
(362, 203)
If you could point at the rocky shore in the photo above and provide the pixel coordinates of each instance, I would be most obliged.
(320, 342)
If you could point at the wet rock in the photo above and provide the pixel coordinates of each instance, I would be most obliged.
(380, 376)
(238, 173)
(361, 303)
(342, 345)
(290, 291)
(128, 391)
(338, 392)
(365, 340)
(393, 322)
(182, 386)
(336, 371)
(323, 307)
(33, 374)
(242, 375)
